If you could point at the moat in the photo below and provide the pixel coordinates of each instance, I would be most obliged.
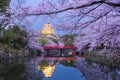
(56, 68)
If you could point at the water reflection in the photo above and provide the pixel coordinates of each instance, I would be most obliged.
(40, 68)
(12, 69)
(98, 71)
(47, 65)
(46, 68)
(59, 69)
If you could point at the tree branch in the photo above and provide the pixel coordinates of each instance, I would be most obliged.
(113, 4)
(77, 7)
(66, 9)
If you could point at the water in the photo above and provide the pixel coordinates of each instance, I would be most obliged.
(56, 69)
(66, 73)
(60, 69)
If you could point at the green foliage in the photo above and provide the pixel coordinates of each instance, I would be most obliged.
(68, 39)
(42, 41)
(67, 63)
(1, 30)
(32, 52)
(69, 43)
(14, 37)
(4, 4)
(43, 63)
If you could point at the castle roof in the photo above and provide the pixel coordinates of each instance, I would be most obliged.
(48, 30)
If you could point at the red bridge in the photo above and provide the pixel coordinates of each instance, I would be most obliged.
(59, 50)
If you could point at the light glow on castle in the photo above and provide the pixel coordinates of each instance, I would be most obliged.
(48, 30)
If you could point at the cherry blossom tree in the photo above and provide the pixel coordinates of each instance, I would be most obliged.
(96, 20)
(32, 39)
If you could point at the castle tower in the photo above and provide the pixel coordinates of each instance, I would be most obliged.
(48, 30)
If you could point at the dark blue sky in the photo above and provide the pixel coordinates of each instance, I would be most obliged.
(38, 22)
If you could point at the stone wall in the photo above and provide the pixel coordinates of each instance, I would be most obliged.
(13, 53)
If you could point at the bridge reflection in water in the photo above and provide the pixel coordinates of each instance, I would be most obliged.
(57, 68)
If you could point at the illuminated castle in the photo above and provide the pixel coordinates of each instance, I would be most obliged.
(48, 30)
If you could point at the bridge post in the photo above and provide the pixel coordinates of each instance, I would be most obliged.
(60, 52)
(47, 52)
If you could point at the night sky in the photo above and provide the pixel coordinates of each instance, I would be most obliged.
(38, 22)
